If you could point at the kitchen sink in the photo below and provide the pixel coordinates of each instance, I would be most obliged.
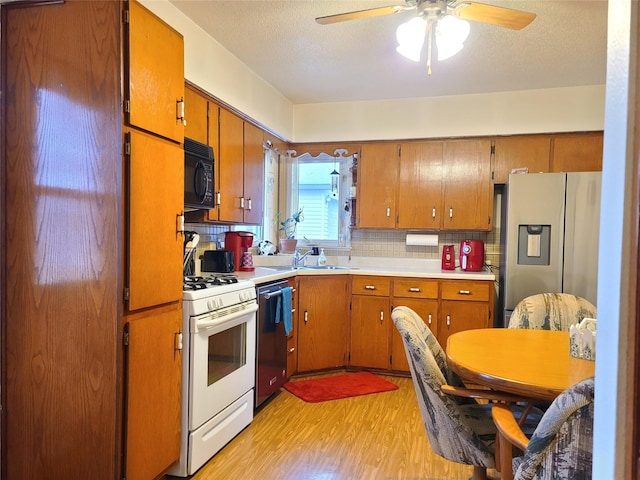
(282, 268)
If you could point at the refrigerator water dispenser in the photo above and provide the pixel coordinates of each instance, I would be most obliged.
(534, 244)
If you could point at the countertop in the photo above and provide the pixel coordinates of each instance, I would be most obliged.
(276, 267)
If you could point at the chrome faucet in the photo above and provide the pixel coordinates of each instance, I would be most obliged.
(299, 259)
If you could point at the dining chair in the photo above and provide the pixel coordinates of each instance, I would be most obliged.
(561, 447)
(458, 427)
(551, 311)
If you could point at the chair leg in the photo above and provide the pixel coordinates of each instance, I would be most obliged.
(479, 473)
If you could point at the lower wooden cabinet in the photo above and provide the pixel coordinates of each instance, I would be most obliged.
(464, 305)
(323, 321)
(370, 326)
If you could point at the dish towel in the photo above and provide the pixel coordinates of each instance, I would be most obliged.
(286, 310)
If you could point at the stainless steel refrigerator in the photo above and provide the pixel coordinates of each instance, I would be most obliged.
(549, 236)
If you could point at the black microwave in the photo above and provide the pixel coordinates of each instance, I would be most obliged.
(198, 175)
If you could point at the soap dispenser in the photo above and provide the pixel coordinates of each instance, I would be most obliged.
(322, 259)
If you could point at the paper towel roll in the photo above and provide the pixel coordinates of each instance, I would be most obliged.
(422, 239)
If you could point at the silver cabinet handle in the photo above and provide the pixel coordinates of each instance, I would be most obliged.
(388, 212)
(180, 223)
(433, 213)
(180, 111)
(293, 310)
(448, 321)
(369, 287)
(242, 202)
(306, 316)
(429, 322)
(414, 290)
(451, 213)
(218, 198)
(464, 292)
(178, 341)
(381, 316)
(292, 349)
(248, 204)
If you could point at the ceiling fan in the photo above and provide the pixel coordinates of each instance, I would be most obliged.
(444, 19)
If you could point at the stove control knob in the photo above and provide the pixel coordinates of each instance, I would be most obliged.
(210, 304)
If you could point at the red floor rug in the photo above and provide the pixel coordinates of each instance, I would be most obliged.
(339, 386)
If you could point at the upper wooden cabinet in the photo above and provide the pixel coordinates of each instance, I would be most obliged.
(253, 187)
(572, 152)
(420, 192)
(196, 107)
(530, 151)
(154, 98)
(231, 167)
(577, 152)
(467, 191)
(377, 184)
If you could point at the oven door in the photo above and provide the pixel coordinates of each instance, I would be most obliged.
(222, 360)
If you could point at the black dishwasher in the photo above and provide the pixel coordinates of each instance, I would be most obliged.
(271, 354)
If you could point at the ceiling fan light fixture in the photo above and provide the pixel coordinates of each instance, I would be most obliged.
(410, 36)
(451, 32)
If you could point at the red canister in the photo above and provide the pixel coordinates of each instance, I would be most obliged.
(448, 257)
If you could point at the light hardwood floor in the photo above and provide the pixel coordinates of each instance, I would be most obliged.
(371, 437)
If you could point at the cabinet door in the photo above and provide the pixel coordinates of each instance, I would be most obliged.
(196, 115)
(323, 321)
(377, 185)
(370, 317)
(156, 74)
(456, 316)
(428, 311)
(253, 174)
(577, 153)
(520, 151)
(231, 167)
(420, 189)
(155, 201)
(153, 379)
(467, 188)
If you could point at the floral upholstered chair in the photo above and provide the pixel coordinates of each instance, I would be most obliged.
(561, 447)
(459, 428)
(551, 311)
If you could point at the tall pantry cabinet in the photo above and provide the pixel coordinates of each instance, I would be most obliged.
(90, 346)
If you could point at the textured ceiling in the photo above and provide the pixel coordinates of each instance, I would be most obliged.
(356, 60)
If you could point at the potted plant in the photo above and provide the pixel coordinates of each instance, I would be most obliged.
(289, 227)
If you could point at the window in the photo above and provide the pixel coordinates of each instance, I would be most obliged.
(323, 199)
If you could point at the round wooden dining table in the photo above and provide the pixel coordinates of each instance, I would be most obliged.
(532, 363)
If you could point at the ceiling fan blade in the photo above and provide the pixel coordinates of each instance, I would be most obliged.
(503, 17)
(371, 12)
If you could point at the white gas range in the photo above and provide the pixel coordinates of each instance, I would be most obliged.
(218, 372)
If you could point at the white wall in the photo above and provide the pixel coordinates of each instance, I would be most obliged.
(213, 68)
(533, 111)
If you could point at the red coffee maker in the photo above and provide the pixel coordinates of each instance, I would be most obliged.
(471, 255)
(239, 243)
(448, 257)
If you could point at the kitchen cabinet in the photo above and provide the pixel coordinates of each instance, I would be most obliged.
(231, 167)
(292, 339)
(420, 189)
(530, 151)
(577, 152)
(196, 107)
(420, 295)
(370, 322)
(467, 190)
(377, 185)
(253, 185)
(155, 91)
(464, 305)
(81, 209)
(323, 320)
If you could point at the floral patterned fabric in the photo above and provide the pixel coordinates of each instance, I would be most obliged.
(551, 311)
(459, 432)
(562, 445)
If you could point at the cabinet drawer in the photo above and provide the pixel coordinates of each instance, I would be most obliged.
(363, 285)
(415, 288)
(478, 291)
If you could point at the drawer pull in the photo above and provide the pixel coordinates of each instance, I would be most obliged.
(292, 349)
(429, 320)
(293, 310)
(451, 213)
(448, 321)
(464, 292)
(388, 212)
(433, 213)
(381, 316)
(369, 287)
(306, 316)
(415, 290)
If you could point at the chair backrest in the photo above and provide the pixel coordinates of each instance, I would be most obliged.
(562, 444)
(551, 311)
(450, 433)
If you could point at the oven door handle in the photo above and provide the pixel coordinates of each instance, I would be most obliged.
(222, 323)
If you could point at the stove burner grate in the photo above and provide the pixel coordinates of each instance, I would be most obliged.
(194, 282)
